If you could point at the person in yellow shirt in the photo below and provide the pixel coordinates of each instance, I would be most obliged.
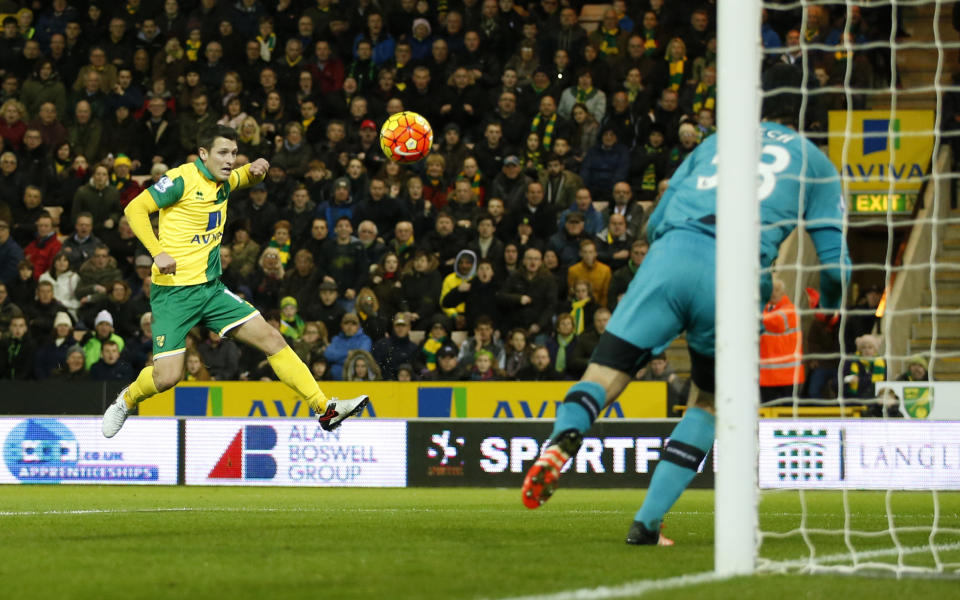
(592, 270)
(186, 287)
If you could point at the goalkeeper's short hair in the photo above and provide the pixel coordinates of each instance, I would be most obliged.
(783, 105)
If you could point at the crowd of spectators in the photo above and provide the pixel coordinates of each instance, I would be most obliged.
(522, 228)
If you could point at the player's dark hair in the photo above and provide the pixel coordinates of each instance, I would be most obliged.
(206, 139)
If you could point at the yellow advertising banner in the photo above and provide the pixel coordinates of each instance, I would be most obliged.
(400, 400)
(882, 147)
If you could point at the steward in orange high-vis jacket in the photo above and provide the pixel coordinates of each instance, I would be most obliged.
(781, 347)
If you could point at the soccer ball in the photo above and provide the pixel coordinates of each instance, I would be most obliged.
(406, 137)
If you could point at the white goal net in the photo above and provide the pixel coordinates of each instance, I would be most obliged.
(859, 460)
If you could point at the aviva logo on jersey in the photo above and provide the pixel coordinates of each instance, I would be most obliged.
(214, 220)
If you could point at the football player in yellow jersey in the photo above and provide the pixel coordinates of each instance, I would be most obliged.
(186, 287)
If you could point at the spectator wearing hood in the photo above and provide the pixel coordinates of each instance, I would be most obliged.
(465, 269)
(351, 337)
(478, 295)
(360, 366)
(605, 164)
(421, 42)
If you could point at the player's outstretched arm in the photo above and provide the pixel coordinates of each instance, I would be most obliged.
(138, 215)
(249, 174)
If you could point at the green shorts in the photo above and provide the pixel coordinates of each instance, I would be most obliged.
(177, 309)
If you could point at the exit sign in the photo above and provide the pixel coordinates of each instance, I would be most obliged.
(879, 203)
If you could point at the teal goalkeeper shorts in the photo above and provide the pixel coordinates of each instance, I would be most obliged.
(673, 291)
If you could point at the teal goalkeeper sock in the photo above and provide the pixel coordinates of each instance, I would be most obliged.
(580, 408)
(689, 443)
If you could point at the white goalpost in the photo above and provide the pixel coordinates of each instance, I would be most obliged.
(865, 495)
(738, 243)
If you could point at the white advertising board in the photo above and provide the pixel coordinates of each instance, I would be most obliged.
(872, 454)
(361, 453)
(62, 450)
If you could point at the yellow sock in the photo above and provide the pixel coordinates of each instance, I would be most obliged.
(291, 370)
(141, 389)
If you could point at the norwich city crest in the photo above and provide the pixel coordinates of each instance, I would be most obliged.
(918, 400)
(160, 340)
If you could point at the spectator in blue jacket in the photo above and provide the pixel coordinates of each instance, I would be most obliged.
(10, 254)
(351, 337)
(605, 164)
(583, 204)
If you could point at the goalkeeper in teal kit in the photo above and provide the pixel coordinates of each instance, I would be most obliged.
(674, 291)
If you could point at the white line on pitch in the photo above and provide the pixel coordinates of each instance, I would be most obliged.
(97, 511)
(638, 588)
(630, 589)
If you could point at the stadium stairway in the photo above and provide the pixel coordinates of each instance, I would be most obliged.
(944, 295)
(917, 66)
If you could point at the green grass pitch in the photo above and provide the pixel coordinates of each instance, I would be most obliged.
(69, 542)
